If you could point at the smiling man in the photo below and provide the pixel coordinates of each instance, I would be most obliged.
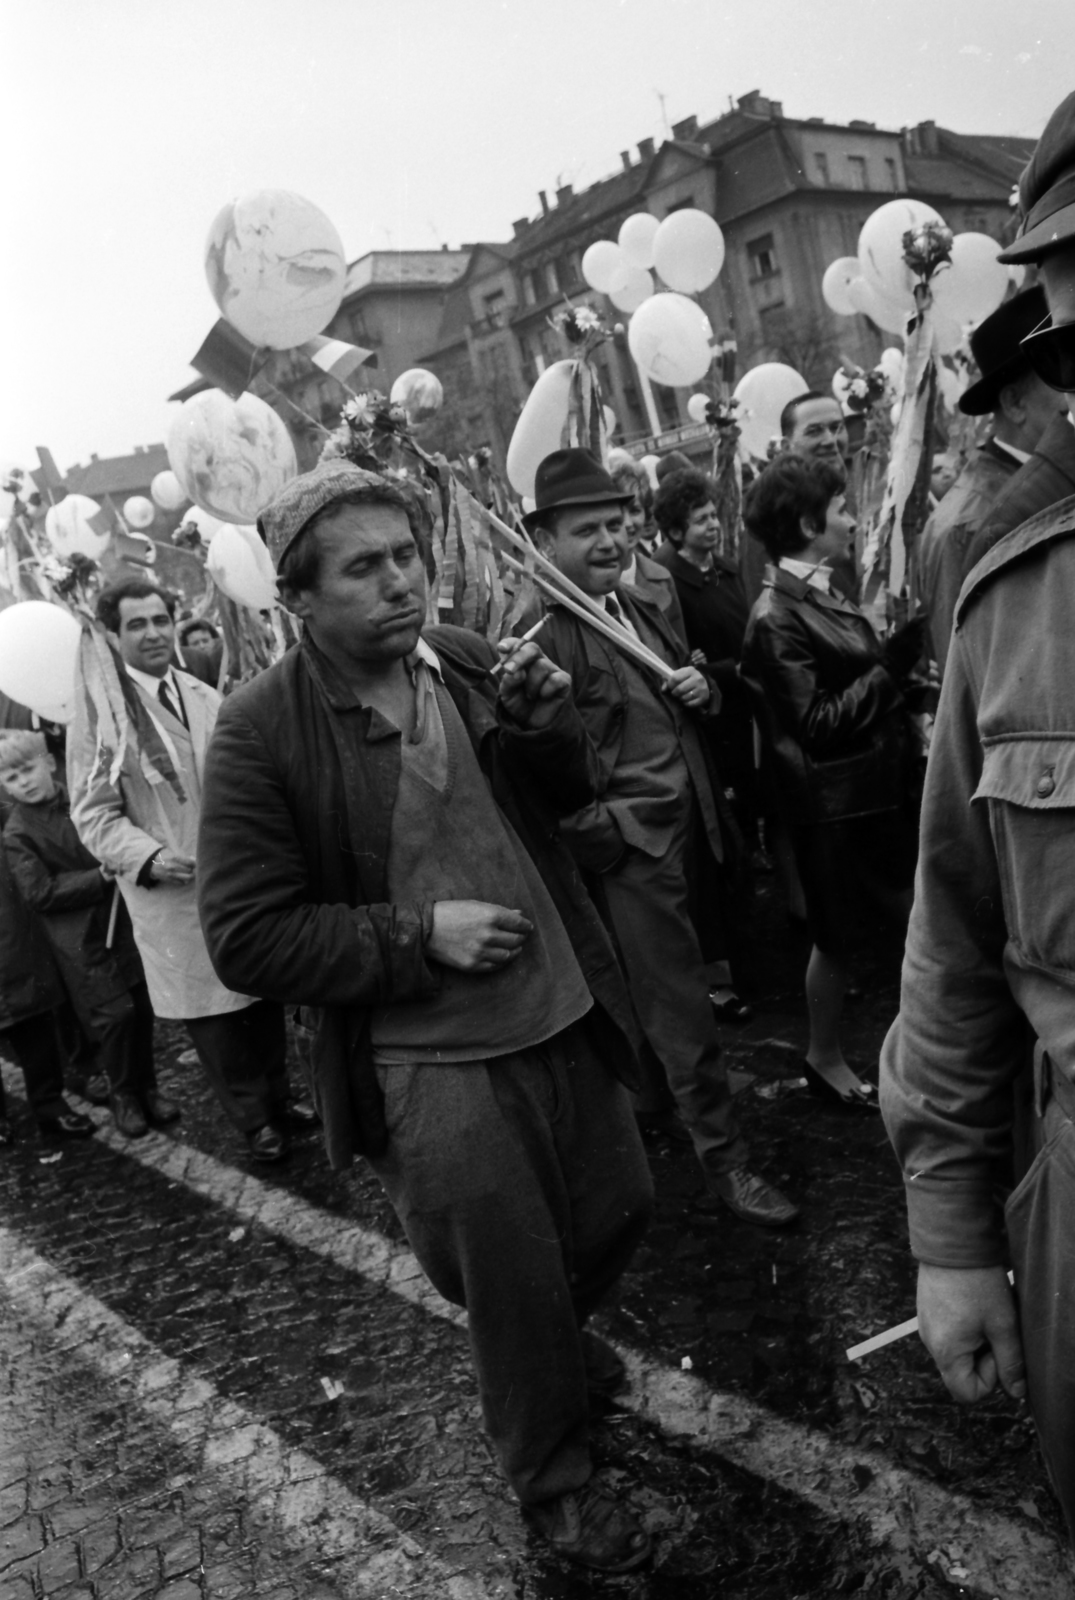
(813, 426)
(379, 845)
(145, 834)
(651, 837)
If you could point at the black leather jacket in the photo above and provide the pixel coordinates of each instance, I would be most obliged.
(833, 718)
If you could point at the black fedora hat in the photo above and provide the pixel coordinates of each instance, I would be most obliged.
(1047, 190)
(996, 347)
(572, 478)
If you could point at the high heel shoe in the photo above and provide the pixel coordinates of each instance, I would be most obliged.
(858, 1101)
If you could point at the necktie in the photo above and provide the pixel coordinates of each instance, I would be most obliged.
(169, 702)
(612, 606)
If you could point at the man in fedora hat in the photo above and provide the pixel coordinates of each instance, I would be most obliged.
(379, 845)
(651, 837)
(1022, 407)
(978, 1071)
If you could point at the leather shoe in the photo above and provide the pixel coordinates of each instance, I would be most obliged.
(7, 1132)
(96, 1090)
(863, 1101)
(606, 1373)
(663, 1125)
(159, 1110)
(68, 1125)
(267, 1143)
(589, 1527)
(128, 1116)
(752, 1198)
(301, 1113)
(731, 1009)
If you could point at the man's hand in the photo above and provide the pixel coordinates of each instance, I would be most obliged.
(967, 1322)
(532, 689)
(168, 867)
(687, 685)
(473, 936)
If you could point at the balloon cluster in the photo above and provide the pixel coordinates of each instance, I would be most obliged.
(669, 336)
(879, 283)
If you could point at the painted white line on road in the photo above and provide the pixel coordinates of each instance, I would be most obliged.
(1003, 1557)
(306, 1506)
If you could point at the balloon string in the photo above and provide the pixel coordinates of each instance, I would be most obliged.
(320, 426)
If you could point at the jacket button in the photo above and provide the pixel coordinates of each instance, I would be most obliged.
(1046, 784)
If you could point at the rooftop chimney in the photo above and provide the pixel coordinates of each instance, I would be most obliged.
(543, 197)
(776, 110)
(753, 103)
(686, 129)
(519, 226)
(645, 149)
(625, 157)
(564, 194)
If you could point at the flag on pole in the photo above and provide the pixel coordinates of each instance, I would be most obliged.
(227, 360)
(49, 476)
(339, 359)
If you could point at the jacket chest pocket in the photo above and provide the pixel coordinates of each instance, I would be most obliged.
(1029, 785)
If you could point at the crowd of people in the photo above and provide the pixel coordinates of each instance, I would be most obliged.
(502, 892)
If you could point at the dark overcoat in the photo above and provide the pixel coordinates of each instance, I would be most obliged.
(29, 981)
(293, 857)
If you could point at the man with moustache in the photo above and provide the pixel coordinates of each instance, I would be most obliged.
(379, 844)
(978, 1071)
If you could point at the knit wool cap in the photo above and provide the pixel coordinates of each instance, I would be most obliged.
(284, 518)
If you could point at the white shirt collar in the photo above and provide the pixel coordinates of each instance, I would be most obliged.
(1021, 456)
(151, 685)
(818, 577)
(428, 657)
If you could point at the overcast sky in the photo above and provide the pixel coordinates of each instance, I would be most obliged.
(128, 123)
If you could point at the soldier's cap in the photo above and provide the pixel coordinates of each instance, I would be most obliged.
(996, 345)
(1047, 190)
(284, 518)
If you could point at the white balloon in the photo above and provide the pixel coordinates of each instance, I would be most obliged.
(651, 463)
(240, 565)
(839, 276)
(419, 392)
(762, 393)
(892, 363)
(540, 428)
(864, 298)
(167, 491)
(231, 456)
(138, 512)
(974, 283)
(688, 251)
(276, 267)
(949, 334)
(77, 526)
(603, 266)
(880, 250)
(841, 385)
(698, 407)
(1017, 272)
(38, 651)
(669, 338)
(949, 385)
(636, 238)
(638, 286)
(612, 422)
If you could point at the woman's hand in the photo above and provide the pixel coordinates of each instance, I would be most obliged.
(688, 686)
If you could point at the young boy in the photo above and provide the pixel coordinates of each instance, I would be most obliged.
(63, 883)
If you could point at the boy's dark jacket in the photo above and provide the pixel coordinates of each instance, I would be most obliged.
(29, 981)
(59, 879)
(293, 853)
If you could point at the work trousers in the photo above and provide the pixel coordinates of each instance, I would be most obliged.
(244, 1054)
(523, 1189)
(647, 903)
(35, 1045)
(123, 1027)
(1041, 1234)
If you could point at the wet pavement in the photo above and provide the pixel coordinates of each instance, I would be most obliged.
(221, 1381)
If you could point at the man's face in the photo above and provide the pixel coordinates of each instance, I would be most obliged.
(819, 432)
(31, 779)
(146, 634)
(198, 638)
(369, 602)
(589, 546)
(1058, 278)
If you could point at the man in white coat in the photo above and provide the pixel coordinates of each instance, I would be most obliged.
(144, 828)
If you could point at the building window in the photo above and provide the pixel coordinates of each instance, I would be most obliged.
(892, 174)
(762, 257)
(495, 304)
(529, 289)
(821, 161)
(552, 281)
(573, 270)
(857, 164)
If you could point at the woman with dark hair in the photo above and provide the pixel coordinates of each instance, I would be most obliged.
(832, 701)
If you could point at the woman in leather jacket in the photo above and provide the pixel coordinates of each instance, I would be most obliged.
(831, 702)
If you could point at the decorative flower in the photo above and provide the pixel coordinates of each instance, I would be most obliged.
(360, 412)
(580, 325)
(75, 573)
(925, 248)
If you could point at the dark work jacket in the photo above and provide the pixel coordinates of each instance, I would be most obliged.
(59, 879)
(293, 863)
(29, 981)
(832, 716)
(1047, 477)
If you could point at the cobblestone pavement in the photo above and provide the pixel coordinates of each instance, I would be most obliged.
(216, 1383)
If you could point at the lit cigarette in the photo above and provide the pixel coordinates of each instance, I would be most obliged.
(890, 1335)
(494, 672)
